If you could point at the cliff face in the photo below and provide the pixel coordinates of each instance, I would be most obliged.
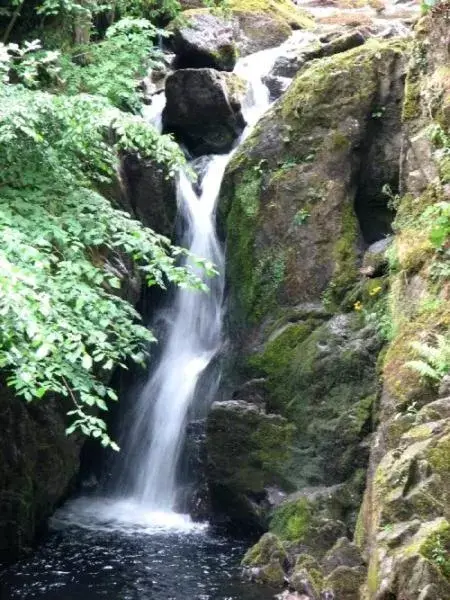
(307, 209)
(404, 518)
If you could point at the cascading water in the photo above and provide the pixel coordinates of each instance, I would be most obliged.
(194, 338)
(155, 439)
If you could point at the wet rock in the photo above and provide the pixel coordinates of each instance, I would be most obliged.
(203, 110)
(38, 466)
(346, 582)
(253, 391)
(288, 66)
(276, 85)
(312, 520)
(203, 38)
(149, 193)
(302, 583)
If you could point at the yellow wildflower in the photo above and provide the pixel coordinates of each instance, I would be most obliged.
(375, 290)
(358, 305)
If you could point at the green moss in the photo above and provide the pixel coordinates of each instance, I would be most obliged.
(353, 72)
(278, 352)
(283, 9)
(439, 458)
(346, 262)
(411, 103)
(292, 520)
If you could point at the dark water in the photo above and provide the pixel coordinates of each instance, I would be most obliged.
(91, 563)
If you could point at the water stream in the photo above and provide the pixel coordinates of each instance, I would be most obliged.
(131, 545)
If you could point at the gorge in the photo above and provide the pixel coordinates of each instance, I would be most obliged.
(291, 433)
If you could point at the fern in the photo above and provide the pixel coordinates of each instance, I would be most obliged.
(434, 360)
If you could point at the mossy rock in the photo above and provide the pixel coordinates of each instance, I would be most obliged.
(346, 582)
(330, 364)
(248, 451)
(265, 561)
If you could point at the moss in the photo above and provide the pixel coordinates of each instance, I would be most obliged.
(346, 261)
(439, 458)
(241, 227)
(411, 103)
(284, 9)
(292, 520)
(278, 352)
(355, 74)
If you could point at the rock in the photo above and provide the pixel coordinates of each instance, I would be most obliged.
(288, 66)
(256, 31)
(312, 520)
(276, 85)
(343, 553)
(203, 110)
(247, 450)
(38, 466)
(302, 583)
(346, 582)
(265, 562)
(253, 391)
(375, 261)
(201, 39)
(149, 193)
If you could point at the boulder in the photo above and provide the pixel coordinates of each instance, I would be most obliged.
(289, 65)
(247, 451)
(149, 194)
(312, 520)
(38, 466)
(203, 39)
(215, 38)
(266, 561)
(203, 110)
(346, 582)
(343, 553)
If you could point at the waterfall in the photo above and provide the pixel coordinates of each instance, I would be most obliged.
(145, 484)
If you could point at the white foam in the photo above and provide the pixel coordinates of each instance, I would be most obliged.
(122, 515)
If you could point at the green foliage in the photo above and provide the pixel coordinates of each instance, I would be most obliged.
(301, 216)
(62, 245)
(111, 67)
(434, 360)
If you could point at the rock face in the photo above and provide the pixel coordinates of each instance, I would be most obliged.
(293, 212)
(404, 521)
(149, 194)
(203, 110)
(37, 465)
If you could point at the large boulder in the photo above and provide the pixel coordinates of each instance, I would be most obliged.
(203, 110)
(247, 452)
(149, 193)
(202, 39)
(206, 38)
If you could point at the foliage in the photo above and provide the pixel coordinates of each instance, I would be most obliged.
(111, 67)
(63, 246)
(434, 360)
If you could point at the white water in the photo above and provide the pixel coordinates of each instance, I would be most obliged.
(146, 487)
